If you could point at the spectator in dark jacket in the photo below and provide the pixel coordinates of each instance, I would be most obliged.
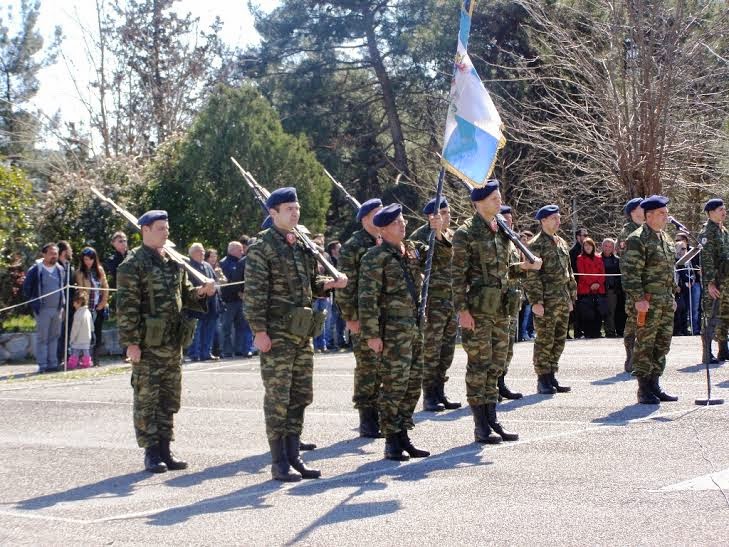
(232, 328)
(684, 280)
(615, 318)
(576, 249)
(202, 342)
(65, 256)
(45, 279)
(119, 242)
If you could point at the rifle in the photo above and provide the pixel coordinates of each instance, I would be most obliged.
(347, 196)
(169, 247)
(261, 195)
(508, 232)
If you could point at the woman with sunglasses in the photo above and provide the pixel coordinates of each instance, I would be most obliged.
(92, 278)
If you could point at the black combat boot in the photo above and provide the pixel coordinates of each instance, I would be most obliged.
(496, 426)
(152, 460)
(658, 392)
(449, 405)
(544, 385)
(723, 354)
(482, 432)
(292, 453)
(368, 426)
(505, 392)
(408, 447)
(629, 342)
(306, 446)
(172, 463)
(645, 392)
(431, 402)
(555, 384)
(393, 448)
(280, 468)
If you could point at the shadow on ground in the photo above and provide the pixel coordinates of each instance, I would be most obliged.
(625, 415)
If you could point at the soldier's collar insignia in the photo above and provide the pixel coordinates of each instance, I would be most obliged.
(290, 238)
(703, 241)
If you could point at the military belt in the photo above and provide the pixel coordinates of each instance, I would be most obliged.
(440, 293)
(400, 314)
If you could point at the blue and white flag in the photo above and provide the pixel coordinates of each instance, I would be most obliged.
(473, 127)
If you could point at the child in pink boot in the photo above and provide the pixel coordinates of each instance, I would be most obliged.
(81, 332)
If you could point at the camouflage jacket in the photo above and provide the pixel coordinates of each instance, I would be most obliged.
(628, 228)
(555, 279)
(647, 264)
(441, 273)
(150, 286)
(715, 256)
(279, 277)
(481, 258)
(383, 290)
(350, 256)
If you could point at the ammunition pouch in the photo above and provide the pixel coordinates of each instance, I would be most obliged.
(486, 300)
(301, 321)
(318, 321)
(154, 331)
(187, 331)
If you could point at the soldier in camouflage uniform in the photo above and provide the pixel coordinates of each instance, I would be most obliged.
(636, 217)
(714, 238)
(366, 373)
(440, 326)
(482, 257)
(514, 297)
(648, 279)
(552, 292)
(152, 292)
(389, 297)
(281, 280)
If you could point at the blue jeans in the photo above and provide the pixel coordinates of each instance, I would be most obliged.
(334, 328)
(48, 332)
(202, 342)
(248, 346)
(232, 327)
(321, 304)
(695, 306)
(526, 328)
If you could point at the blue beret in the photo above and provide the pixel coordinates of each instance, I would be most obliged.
(281, 195)
(266, 224)
(712, 204)
(546, 211)
(386, 215)
(477, 194)
(150, 216)
(429, 208)
(505, 210)
(654, 202)
(632, 205)
(367, 207)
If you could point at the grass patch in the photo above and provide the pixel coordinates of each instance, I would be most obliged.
(70, 376)
(19, 323)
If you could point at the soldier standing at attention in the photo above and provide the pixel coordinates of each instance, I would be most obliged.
(648, 280)
(552, 292)
(514, 297)
(714, 267)
(481, 262)
(152, 291)
(440, 326)
(636, 218)
(389, 298)
(281, 281)
(366, 373)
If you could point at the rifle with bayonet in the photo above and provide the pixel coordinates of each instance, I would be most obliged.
(347, 196)
(508, 232)
(169, 247)
(261, 195)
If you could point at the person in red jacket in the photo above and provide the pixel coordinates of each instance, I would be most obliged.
(591, 296)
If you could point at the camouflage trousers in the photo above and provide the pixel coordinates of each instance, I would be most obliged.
(401, 367)
(440, 341)
(551, 331)
(513, 330)
(287, 371)
(653, 340)
(157, 384)
(366, 374)
(487, 347)
(722, 325)
(629, 331)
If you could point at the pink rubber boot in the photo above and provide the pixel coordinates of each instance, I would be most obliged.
(85, 361)
(72, 362)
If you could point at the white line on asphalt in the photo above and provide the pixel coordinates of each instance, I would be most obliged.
(712, 481)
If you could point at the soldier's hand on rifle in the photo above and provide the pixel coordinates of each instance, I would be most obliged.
(338, 283)
(571, 306)
(526, 265)
(713, 291)
(436, 224)
(465, 319)
(643, 305)
(353, 326)
(208, 289)
(375, 344)
(538, 309)
(262, 341)
(134, 352)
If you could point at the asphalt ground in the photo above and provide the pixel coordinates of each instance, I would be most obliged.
(591, 468)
